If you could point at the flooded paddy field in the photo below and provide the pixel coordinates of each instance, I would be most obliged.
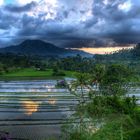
(34, 110)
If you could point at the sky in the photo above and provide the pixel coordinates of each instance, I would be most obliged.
(71, 23)
(103, 50)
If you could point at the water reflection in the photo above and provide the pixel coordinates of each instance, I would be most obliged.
(49, 86)
(52, 101)
(30, 107)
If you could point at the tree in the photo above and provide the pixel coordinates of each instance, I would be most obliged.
(115, 114)
(136, 50)
(114, 80)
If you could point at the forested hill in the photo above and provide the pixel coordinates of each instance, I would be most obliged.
(125, 54)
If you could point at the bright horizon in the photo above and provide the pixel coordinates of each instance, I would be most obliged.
(102, 50)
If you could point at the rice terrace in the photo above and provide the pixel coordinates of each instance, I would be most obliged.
(34, 109)
(69, 70)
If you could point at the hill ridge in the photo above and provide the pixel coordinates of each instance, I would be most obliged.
(41, 48)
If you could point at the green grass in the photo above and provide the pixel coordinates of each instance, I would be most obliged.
(30, 73)
(70, 73)
(135, 78)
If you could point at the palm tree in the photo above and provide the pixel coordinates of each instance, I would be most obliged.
(80, 84)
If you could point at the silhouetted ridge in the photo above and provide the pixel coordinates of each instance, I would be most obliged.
(40, 48)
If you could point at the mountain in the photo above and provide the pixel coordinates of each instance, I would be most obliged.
(41, 48)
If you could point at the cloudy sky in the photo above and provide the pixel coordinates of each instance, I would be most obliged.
(71, 23)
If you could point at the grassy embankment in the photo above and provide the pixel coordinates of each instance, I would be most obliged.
(30, 73)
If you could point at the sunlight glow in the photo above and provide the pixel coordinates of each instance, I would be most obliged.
(23, 2)
(102, 50)
(1, 2)
(30, 107)
(106, 2)
(52, 101)
(46, 8)
(126, 6)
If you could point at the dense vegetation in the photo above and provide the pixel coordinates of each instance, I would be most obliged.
(110, 113)
(124, 54)
(10, 63)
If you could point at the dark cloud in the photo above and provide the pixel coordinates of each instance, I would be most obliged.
(118, 25)
(75, 24)
(7, 21)
(17, 9)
